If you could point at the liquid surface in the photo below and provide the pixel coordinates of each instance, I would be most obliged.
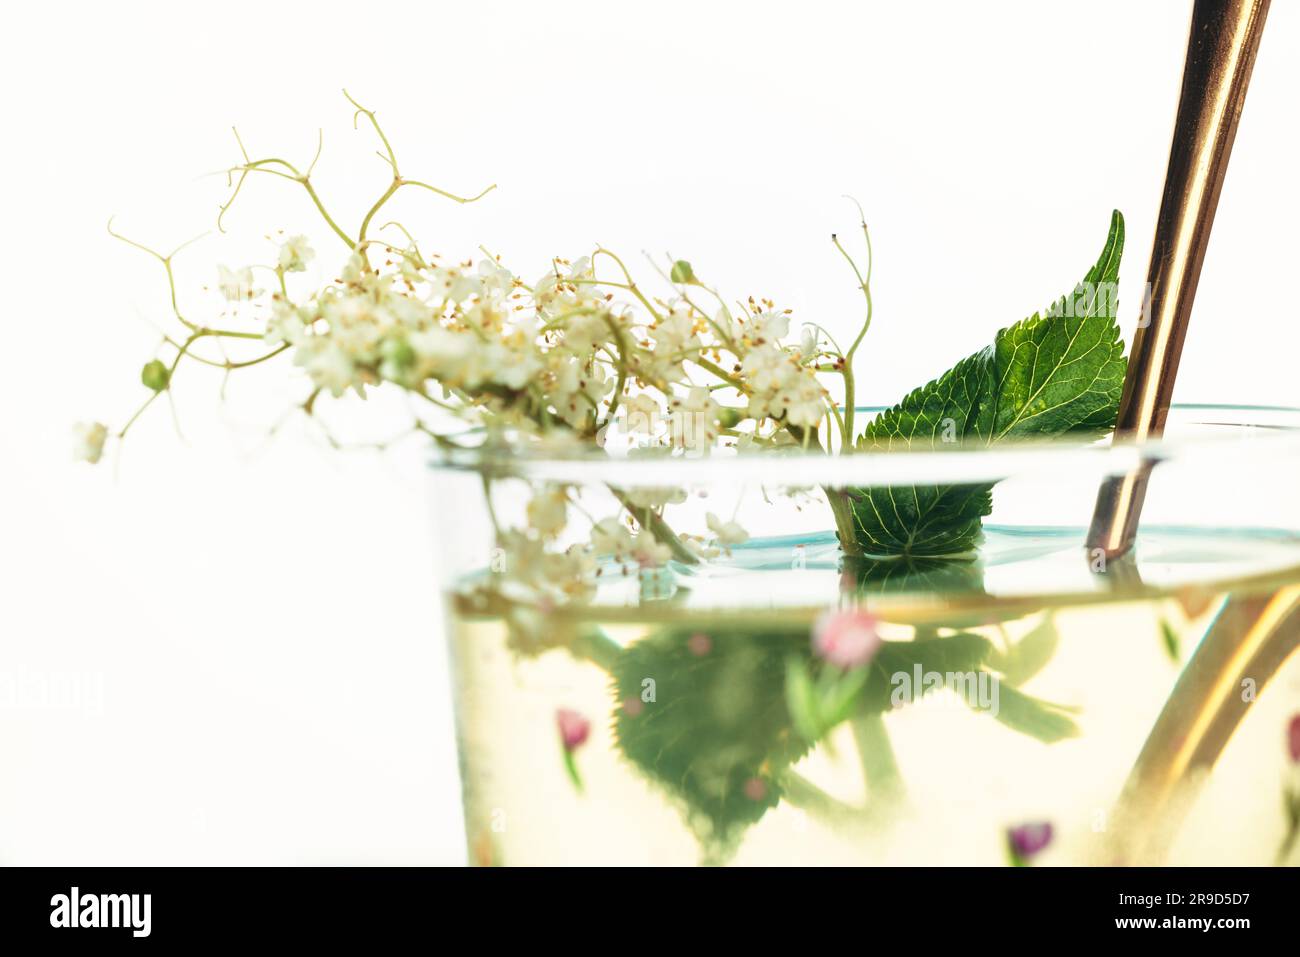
(693, 753)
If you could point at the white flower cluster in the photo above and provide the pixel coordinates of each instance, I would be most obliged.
(564, 360)
(575, 360)
(782, 386)
(562, 350)
(533, 566)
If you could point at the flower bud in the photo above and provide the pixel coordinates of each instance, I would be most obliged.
(846, 639)
(683, 273)
(155, 375)
(574, 729)
(1026, 840)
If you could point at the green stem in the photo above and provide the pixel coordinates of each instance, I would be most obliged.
(799, 792)
(878, 764)
(865, 285)
(838, 498)
(842, 509)
(597, 647)
(388, 194)
(711, 366)
(659, 528)
(320, 207)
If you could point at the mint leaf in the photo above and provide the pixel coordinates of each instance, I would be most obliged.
(1061, 370)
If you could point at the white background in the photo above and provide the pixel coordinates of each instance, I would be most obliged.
(246, 632)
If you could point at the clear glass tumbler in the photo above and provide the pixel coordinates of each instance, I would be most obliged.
(699, 698)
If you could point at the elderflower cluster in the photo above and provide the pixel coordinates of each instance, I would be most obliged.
(583, 357)
(563, 351)
(782, 386)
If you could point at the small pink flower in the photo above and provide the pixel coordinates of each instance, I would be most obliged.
(699, 644)
(846, 639)
(574, 729)
(755, 789)
(1293, 739)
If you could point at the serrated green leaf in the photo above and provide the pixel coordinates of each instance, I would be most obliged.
(719, 732)
(1058, 371)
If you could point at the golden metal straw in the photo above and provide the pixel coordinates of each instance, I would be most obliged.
(1251, 638)
(1221, 52)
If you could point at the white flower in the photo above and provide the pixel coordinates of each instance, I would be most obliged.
(571, 571)
(609, 536)
(808, 342)
(586, 331)
(89, 441)
(442, 353)
(548, 511)
(676, 332)
(804, 400)
(581, 268)
(767, 370)
(695, 420)
(236, 284)
(647, 551)
(780, 387)
(575, 388)
(455, 285)
(700, 549)
(675, 339)
(328, 364)
(495, 277)
(535, 575)
(769, 326)
(555, 293)
(512, 366)
(728, 533)
(651, 497)
(295, 254)
(288, 323)
(641, 413)
(408, 266)
(729, 327)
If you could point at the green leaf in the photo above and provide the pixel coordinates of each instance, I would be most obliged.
(733, 710)
(1061, 370)
(965, 654)
(1028, 655)
(719, 732)
(1044, 720)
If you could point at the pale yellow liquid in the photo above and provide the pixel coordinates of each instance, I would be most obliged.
(964, 777)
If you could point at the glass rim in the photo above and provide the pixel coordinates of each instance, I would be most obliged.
(1251, 432)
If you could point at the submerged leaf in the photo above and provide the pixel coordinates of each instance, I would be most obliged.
(872, 577)
(718, 732)
(1029, 654)
(1035, 717)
